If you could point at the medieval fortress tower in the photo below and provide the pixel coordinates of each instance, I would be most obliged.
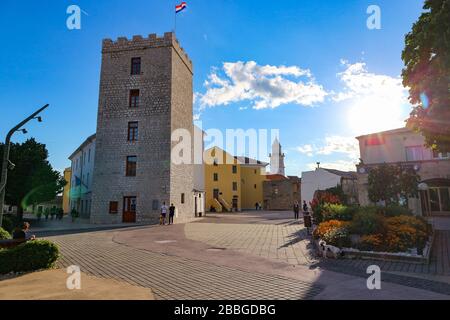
(145, 94)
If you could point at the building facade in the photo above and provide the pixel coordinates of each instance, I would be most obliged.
(280, 192)
(405, 148)
(322, 179)
(81, 178)
(199, 173)
(232, 183)
(145, 95)
(66, 191)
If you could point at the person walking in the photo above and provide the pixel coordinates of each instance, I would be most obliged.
(171, 213)
(307, 218)
(296, 210)
(164, 208)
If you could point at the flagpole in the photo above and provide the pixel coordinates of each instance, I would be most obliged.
(175, 17)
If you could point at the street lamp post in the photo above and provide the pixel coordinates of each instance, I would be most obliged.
(5, 161)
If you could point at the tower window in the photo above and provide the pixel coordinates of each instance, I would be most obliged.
(234, 186)
(234, 169)
(132, 131)
(134, 98)
(216, 177)
(113, 207)
(131, 166)
(135, 66)
(182, 198)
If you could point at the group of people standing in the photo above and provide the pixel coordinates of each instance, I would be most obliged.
(306, 216)
(164, 211)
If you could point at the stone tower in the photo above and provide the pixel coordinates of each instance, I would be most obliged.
(276, 159)
(145, 94)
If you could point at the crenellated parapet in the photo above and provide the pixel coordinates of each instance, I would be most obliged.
(152, 41)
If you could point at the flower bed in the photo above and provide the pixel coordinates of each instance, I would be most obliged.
(374, 233)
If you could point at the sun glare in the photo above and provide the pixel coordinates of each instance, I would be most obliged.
(373, 115)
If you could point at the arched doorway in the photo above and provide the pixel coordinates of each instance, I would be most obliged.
(435, 197)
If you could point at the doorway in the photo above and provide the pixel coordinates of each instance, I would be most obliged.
(129, 209)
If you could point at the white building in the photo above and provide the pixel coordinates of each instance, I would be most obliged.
(82, 172)
(322, 179)
(199, 172)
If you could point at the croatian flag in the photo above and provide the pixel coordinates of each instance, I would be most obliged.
(180, 7)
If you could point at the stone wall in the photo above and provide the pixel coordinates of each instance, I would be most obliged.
(182, 175)
(166, 71)
(281, 194)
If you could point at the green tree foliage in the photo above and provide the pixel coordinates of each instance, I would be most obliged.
(390, 183)
(427, 74)
(33, 179)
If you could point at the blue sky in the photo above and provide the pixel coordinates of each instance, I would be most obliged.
(311, 69)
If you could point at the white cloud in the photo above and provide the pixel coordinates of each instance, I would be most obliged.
(306, 149)
(265, 86)
(359, 81)
(342, 165)
(376, 102)
(331, 145)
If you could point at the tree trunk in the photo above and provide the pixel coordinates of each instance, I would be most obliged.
(19, 213)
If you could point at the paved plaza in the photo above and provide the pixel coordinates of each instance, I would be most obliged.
(275, 235)
(254, 255)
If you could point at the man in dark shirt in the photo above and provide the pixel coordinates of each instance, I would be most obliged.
(171, 213)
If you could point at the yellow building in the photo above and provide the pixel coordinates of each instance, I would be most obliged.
(66, 191)
(232, 183)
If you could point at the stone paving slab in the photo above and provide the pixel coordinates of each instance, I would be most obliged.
(173, 277)
(289, 242)
(286, 242)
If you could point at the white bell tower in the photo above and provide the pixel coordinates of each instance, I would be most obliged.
(276, 158)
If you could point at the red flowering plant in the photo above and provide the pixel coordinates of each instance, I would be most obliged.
(320, 199)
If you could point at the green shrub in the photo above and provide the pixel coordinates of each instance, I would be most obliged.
(338, 237)
(366, 222)
(4, 234)
(337, 212)
(10, 222)
(29, 256)
(396, 210)
(7, 224)
(372, 242)
(317, 213)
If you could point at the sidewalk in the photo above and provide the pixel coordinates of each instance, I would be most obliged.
(51, 227)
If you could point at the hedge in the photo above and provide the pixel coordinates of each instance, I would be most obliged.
(4, 234)
(29, 256)
(9, 223)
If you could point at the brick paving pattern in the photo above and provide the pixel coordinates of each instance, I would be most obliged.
(172, 277)
(288, 242)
